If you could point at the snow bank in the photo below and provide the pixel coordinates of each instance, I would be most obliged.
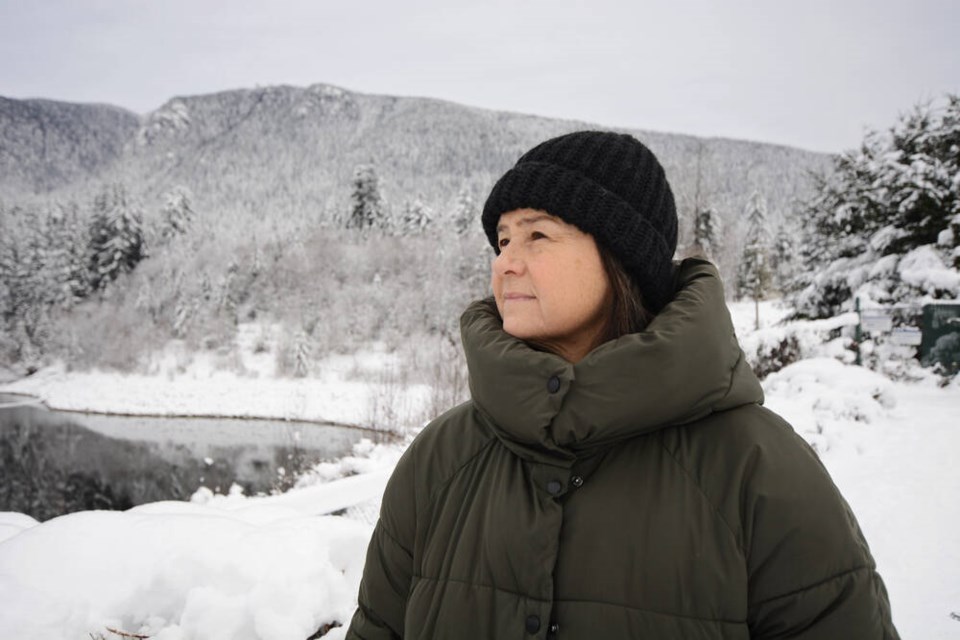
(12, 523)
(890, 449)
(828, 402)
(178, 571)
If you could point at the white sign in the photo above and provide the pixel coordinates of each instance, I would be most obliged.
(876, 321)
(906, 336)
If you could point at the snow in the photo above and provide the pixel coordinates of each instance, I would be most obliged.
(829, 403)
(318, 499)
(12, 523)
(179, 571)
(338, 394)
(901, 480)
(279, 567)
(924, 269)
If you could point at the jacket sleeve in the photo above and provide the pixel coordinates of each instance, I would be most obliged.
(385, 584)
(810, 573)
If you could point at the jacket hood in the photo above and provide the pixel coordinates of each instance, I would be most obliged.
(685, 365)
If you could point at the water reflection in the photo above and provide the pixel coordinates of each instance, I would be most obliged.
(53, 463)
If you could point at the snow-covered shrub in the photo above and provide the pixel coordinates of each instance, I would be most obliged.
(294, 356)
(827, 401)
(770, 357)
(108, 334)
(771, 349)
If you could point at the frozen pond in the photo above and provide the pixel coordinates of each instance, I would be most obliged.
(56, 462)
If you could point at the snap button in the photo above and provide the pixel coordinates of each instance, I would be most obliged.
(553, 384)
(576, 481)
(554, 487)
(533, 624)
(553, 629)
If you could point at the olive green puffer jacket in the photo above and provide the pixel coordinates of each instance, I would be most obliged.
(640, 493)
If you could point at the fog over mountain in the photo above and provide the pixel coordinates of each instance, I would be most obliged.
(283, 150)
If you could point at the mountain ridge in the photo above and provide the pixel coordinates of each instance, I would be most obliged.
(292, 150)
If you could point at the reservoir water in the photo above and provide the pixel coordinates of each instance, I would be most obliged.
(54, 462)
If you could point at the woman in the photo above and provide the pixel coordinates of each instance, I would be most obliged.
(614, 475)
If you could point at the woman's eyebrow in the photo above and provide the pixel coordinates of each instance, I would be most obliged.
(528, 220)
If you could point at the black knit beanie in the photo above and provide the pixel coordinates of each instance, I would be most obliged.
(607, 184)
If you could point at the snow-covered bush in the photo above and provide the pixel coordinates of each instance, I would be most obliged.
(770, 349)
(828, 402)
(770, 357)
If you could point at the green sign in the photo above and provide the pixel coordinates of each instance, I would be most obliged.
(941, 335)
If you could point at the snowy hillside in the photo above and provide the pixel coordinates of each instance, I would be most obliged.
(292, 151)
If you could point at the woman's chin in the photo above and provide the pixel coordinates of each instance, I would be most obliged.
(518, 329)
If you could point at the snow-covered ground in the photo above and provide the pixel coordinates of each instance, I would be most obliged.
(346, 389)
(278, 568)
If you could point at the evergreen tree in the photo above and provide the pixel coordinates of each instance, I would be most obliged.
(707, 226)
(368, 210)
(783, 258)
(116, 237)
(66, 260)
(177, 212)
(753, 272)
(416, 217)
(706, 232)
(27, 286)
(466, 215)
(897, 194)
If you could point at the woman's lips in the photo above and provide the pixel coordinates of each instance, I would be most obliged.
(517, 297)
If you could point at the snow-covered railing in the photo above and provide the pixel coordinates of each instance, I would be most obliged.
(333, 496)
(316, 500)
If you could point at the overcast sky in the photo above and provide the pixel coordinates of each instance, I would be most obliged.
(810, 74)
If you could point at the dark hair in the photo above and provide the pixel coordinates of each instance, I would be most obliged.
(628, 313)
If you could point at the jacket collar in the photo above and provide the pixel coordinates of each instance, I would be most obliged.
(684, 366)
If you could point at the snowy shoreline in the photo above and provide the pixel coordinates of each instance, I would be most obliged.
(34, 400)
(201, 394)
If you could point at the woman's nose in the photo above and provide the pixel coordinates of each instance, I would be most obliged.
(508, 261)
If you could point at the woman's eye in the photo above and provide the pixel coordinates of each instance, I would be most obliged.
(536, 235)
(502, 242)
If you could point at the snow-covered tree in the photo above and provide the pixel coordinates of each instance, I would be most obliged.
(65, 260)
(707, 226)
(29, 287)
(887, 208)
(753, 272)
(783, 257)
(116, 236)
(177, 212)
(417, 217)
(466, 215)
(301, 354)
(707, 232)
(368, 210)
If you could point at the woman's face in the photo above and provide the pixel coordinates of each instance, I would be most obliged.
(549, 283)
